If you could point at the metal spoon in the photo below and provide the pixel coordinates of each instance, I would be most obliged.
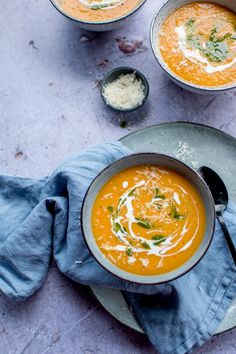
(220, 196)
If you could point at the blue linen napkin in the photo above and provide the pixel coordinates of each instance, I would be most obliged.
(42, 216)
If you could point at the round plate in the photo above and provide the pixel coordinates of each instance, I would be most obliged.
(196, 145)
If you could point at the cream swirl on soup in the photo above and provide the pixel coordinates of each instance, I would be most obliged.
(101, 4)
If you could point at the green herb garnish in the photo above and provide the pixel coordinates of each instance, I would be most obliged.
(101, 6)
(175, 213)
(110, 208)
(216, 51)
(192, 38)
(212, 34)
(129, 252)
(146, 245)
(216, 48)
(158, 195)
(159, 239)
(118, 227)
(158, 242)
(190, 23)
(158, 205)
(131, 193)
(143, 223)
(122, 202)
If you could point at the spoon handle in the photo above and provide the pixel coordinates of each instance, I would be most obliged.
(227, 237)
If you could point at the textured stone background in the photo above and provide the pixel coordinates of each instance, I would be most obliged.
(50, 108)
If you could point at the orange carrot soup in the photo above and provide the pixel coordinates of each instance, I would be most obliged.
(98, 10)
(198, 44)
(148, 220)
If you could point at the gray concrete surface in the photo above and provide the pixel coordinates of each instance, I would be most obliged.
(50, 108)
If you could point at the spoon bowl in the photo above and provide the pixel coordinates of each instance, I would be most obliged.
(220, 195)
(217, 188)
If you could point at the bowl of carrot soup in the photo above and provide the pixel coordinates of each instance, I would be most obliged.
(195, 43)
(148, 218)
(98, 15)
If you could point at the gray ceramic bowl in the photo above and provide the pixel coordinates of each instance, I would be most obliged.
(99, 26)
(162, 13)
(114, 74)
(153, 159)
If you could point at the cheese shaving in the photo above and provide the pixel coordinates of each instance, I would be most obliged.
(126, 92)
(184, 151)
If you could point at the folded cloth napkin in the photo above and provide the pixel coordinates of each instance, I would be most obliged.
(43, 216)
(38, 217)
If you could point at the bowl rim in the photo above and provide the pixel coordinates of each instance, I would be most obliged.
(59, 8)
(150, 282)
(169, 72)
(131, 69)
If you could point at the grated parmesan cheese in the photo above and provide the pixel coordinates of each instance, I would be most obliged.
(185, 152)
(126, 92)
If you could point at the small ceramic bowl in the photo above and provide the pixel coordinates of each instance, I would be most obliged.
(162, 13)
(99, 26)
(115, 74)
(152, 159)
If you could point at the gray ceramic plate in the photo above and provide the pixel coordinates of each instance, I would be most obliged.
(196, 145)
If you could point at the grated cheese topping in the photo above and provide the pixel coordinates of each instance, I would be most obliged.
(185, 152)
(126, 92)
